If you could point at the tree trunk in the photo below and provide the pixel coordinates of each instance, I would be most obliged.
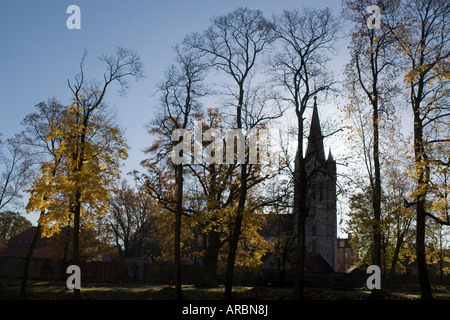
(422, 171)
(376, 188)
(23, 286)
(301, 250)
(210, 260)
(425, 287)
(398, 245)
(76, 240)
(177, 251)
(300, 211)
(281, 264)
(376, 254)
(236, 232)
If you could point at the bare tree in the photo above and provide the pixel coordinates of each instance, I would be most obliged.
(371, 76)
(305, 37)
(180, 92)
(132, 220)
(232, 44)
(16, 170)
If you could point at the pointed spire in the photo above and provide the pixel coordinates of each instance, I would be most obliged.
(330, 156)
(315, 139)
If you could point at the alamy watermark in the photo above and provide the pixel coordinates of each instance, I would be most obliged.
(374, 21)
(74, 280)
(236, 146)
(74, 20)
(373, 281)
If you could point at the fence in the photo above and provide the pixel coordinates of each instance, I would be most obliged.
(142, 271)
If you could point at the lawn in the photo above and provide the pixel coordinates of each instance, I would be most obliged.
(51, 290)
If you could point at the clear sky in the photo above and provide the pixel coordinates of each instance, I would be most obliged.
(38, 53)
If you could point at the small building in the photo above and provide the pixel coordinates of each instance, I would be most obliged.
(19, 245)
(12, 261)
(346, 256)
(12, 257)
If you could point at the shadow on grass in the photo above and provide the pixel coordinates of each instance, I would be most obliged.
(56, 290)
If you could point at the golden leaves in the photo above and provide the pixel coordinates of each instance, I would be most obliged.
(85, 163)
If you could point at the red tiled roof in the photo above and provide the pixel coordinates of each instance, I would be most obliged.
(315, 263)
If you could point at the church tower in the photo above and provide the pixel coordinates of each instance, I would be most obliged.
(321, 233)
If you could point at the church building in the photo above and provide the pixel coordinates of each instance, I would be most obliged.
(321, 229)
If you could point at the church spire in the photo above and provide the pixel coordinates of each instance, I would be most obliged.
(330, 156)
(315, 139)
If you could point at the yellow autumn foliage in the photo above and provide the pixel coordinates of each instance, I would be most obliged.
(86, 163)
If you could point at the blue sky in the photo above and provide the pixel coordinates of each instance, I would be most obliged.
(39, 53)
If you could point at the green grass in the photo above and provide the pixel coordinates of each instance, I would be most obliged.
(52, 290)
